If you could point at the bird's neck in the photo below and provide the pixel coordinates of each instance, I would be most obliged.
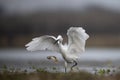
(62, 49)
(60, 45)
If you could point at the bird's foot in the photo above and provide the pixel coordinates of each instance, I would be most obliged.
(53, 58)
(74, 69)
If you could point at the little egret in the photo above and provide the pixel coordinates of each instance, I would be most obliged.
(70, 51)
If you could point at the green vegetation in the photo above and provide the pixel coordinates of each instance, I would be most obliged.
(42, 74)
(40, 70)
(104, 72)
(55, 76)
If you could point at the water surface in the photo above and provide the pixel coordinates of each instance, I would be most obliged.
(91, 59)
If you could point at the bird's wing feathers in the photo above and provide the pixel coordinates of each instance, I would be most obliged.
(43, 43)
(76, 40)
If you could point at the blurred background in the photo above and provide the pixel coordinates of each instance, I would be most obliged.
(22, 20)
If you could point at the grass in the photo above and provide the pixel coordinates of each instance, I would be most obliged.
(43, 74)
(55, 76)
(46, 76)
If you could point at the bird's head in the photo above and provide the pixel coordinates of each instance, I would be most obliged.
(60, 38)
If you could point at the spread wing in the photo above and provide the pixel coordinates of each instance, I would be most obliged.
(76, 40)
(43, 43)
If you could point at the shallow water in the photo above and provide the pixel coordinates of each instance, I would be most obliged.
(93, 58)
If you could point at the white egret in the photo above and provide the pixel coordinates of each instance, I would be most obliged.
(70, 51)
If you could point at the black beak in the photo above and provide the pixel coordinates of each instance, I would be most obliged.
(56, 42)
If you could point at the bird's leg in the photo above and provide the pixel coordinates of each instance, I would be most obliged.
(65, 66)
(75, 64)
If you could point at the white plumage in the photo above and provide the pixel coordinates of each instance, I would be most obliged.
(45, 42)
(70, 51)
